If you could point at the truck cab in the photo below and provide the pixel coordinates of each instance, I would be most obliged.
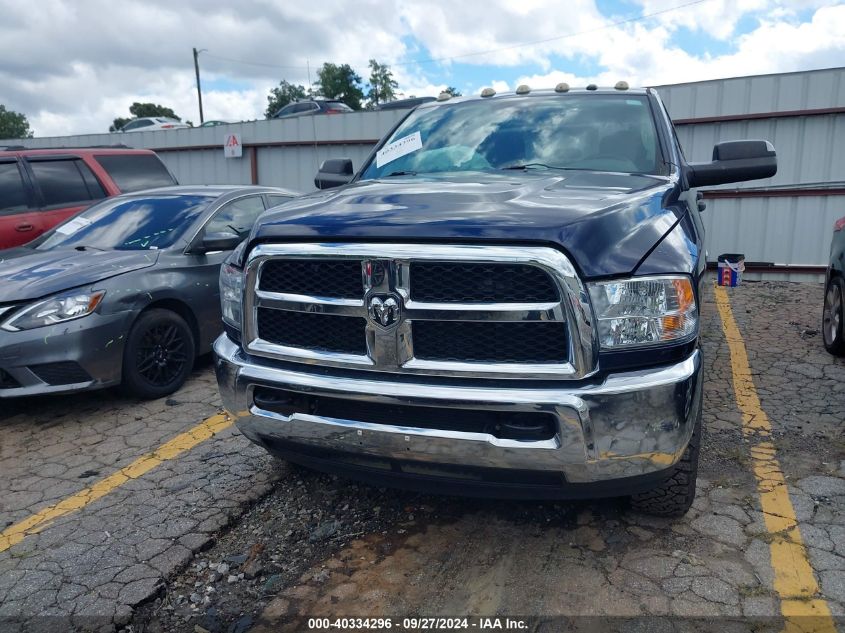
(502, 301)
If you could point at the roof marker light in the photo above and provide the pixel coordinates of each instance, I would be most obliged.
(621, 85)
(444, 96)
(562, 87)
(523, 90)
(488, 92)
(592, 87)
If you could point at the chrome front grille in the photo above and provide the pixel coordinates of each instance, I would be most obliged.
(321, 277)
(457, 310)
(491, 341)
(312, 330)
(481, 283)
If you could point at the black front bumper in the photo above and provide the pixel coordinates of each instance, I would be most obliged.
(468, 481)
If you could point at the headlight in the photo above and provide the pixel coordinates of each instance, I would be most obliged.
(644, 311)
(58, 309)
(231, 291)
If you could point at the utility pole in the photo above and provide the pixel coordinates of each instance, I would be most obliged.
(199, 90)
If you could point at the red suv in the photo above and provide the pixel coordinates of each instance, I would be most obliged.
(41, 187)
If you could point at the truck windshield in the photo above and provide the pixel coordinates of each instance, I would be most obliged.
(602, 132)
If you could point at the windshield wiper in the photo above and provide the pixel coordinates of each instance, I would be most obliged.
(237, 231)
(401, 173)
(524, 166)
(87, 248)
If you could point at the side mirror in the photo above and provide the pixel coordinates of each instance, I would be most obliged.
(219, 242)
(735, 161)
(334, 173)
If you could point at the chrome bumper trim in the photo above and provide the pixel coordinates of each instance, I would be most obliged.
(394, 352)
(633, 423)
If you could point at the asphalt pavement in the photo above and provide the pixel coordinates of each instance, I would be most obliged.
(159, 516)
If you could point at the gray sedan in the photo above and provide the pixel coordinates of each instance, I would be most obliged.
(125, 293)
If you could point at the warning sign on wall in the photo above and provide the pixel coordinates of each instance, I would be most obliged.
(232, 147)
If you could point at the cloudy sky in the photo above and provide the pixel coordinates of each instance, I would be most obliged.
(73, 65)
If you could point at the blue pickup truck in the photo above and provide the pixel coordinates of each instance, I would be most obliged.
(503, 301)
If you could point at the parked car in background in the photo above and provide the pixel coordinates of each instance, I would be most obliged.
(314, 106)
(405, 104)
(214, 123)
(153, 123)
(833, 314)
(41, 187)
(124, 293)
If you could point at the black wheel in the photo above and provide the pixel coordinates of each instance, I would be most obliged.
(674, 496)
(159, 354)
(833, 316)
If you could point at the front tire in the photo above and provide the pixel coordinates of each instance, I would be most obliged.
(833, 316)
(674, 496)
(159, 354)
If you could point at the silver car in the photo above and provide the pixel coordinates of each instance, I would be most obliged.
(152, 123)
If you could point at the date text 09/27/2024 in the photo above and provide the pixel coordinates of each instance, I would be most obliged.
(418, 623)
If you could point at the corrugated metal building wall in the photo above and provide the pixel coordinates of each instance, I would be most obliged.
(785, 220)
(282, 152)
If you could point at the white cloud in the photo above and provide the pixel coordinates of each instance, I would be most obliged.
(500, 86)
(719, 18)
(462, 30)
(716, 18)
(74, 65)
(414, 83)
(94, 58)
(647, 59)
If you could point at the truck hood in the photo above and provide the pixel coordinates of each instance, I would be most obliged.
(41, 273)
(607, 222)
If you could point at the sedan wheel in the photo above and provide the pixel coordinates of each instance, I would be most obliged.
(159, 354)
(833, 317)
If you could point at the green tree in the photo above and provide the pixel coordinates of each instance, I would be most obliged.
(13, 124)
(382, 84)
(118, 123)
(453, 91)
(339, 81)
(143, 110)
(152, 109)
(282, 95)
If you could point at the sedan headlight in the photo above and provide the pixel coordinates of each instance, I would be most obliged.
(231, 290)
(65, 307)
(644, 311)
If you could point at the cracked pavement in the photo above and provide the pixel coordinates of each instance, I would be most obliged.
(98, 563)
(298, 544)
(596, 559)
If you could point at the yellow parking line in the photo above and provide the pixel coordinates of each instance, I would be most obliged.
(173, 448)
(794, 581)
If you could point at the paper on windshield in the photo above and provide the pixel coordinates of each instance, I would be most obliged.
(398, 149)
(69, 228)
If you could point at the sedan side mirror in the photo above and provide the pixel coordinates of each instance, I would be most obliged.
(334, 173)
(735, 161)
(219, 242)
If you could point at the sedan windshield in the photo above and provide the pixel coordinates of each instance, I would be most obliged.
(604, 132)
(141, 223)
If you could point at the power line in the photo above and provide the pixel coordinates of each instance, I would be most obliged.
(638, 18)
(604, 27)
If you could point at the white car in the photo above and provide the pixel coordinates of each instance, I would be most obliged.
(152, 123)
